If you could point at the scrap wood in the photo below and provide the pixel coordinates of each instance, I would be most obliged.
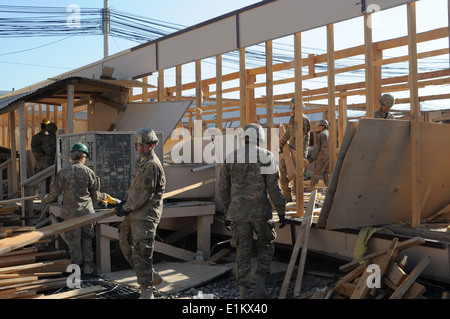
(406, 284)
(14, 269)
(362, 289)
(301, 265)
(306, 223)
(74, 293)
(401, 246)
(24, 239)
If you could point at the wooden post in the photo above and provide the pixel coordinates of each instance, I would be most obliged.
(242, 85)
(415, 115)
(331, 97)
(145, 90)
(269, 92)
(198, 90)
(219, 111)
(70, 108)
(370, 106)
(161, 86)
(342, 117)
(27, 208)
(299, 124)
(178, 80)
(12, 138)
(250, 95)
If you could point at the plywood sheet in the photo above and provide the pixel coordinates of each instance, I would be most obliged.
(160, 116)
(374, 185)
(177, 276)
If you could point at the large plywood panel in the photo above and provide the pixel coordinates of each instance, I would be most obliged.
(160, 116)
(199, 43)
(374, 186)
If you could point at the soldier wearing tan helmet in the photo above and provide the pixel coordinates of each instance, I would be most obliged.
(243, 188)
(289, 136)
(142, 208)
(320, 156)
(386, 102)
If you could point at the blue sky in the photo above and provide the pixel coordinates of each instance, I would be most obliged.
(39, 58)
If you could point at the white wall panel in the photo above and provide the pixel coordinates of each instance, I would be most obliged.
(199, 43)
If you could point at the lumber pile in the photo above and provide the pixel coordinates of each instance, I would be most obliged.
(381, 275)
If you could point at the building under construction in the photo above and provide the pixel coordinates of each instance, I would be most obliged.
(389, 179)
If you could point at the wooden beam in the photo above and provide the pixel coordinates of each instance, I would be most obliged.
(198, 90)
(331, 98)
(161, 85)
(299, 165)
(219, 106)
(109, 102)
(415, 115)
(269, 90)
(370, 106)
(70, 108)
(242, 88)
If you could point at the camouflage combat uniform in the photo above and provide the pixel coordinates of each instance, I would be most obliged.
(379, 114)
(138, 229)
(38, 147)
(243, 190)
(80, 188)
(321, 159)
(290, 137)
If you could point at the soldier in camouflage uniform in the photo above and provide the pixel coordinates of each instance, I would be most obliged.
(290, 137)
(320, 156)
(80, 187)
(386, 103)
(142, 209)
(49, 145)
(246, 177)
(38, 147)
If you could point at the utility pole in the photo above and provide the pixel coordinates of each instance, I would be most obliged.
(105, 28)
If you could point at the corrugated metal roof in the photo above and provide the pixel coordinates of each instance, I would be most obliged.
(8, 101)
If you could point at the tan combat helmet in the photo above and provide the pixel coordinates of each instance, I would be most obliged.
(386, 100)
(145, 135)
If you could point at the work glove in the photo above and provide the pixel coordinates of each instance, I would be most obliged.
(227, 224)
(119, 210)
(282, 220)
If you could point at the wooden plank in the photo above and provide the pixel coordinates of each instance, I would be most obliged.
(298, 243)
(362, 289)
(407, 283)
(74, 293)
(11, 281)
(14, 269)
(287, 155)
(17, 260)
(401, 246)
(301, 265)
(416, 291)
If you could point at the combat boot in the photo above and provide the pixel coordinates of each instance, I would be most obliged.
(260, 288)
(243, 292)
(146, 292)
(157, 279)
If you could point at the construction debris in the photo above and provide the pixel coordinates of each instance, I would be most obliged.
(380, 275)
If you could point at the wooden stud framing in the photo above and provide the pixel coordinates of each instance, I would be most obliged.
(219, 111)
(299, 123)
(242, 85)
(331, 97)
(198, 90)
(415, 116)
(370, 106)
(269, 90)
